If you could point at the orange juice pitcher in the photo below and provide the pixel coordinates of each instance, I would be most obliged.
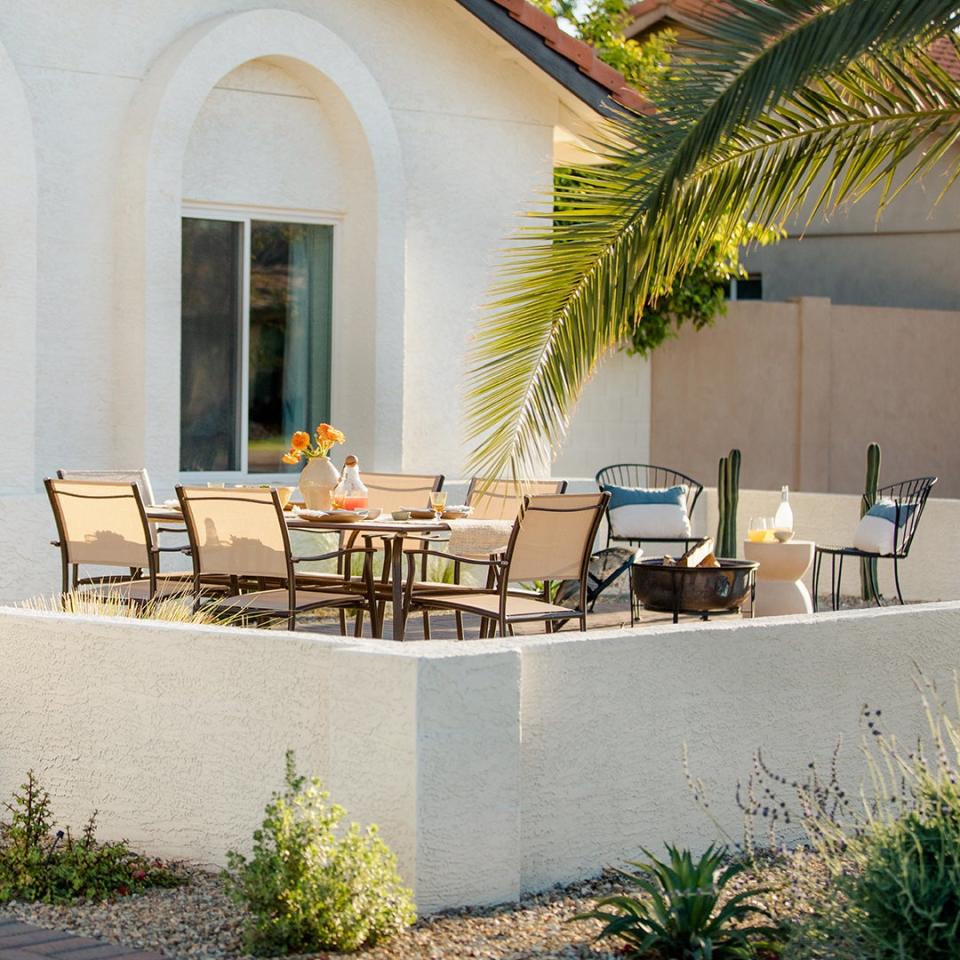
(351, 494)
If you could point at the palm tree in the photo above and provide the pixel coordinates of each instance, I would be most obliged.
(788, 102)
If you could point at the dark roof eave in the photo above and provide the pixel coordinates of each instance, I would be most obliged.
(535, 46)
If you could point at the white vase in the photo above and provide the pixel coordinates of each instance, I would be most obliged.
(317, 480)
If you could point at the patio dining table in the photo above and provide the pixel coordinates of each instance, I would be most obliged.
(487, 536)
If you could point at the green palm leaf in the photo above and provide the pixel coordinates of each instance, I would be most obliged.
(789, 101)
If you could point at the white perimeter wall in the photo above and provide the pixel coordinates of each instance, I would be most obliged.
(492, 767)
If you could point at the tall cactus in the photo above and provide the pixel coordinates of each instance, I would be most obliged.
(869, 585)
(728, 495)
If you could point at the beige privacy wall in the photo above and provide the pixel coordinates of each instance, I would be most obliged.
(802, 388)
(492, 767)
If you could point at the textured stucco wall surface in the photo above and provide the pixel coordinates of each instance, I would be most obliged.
(492, 767)
(803, 387)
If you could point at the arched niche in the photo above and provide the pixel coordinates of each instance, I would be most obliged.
(159, 128)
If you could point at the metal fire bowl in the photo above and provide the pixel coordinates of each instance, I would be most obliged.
(668, 589)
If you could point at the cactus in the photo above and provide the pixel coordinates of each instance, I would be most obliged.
(728, 495)
(869, 585)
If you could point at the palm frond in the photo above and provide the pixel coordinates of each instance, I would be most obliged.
(788, 102)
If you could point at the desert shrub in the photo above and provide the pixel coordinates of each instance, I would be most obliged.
(682, 912)
(897, 871)
(892, 850)
(39, 863)
(309, 886)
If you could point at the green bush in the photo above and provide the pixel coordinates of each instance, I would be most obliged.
(37, 863)
(309, 887)
(891, 851)
(897, 872)
(681, 913)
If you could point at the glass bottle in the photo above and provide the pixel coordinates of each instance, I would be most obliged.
(351, 494)
(784, 516)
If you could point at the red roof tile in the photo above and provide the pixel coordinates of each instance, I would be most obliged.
(943, 52)
(576, 51)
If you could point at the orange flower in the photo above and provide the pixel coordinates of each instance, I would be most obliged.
(300, 440)
(330, 434)
(292, 457)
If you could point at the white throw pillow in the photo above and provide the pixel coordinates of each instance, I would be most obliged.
(875, 532)
(874, 535)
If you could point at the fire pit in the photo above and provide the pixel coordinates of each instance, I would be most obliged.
(675, 589)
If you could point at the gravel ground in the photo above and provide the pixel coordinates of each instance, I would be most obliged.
(197, 920)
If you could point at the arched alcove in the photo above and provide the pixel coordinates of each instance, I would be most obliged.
(369, 374)
(18, 283)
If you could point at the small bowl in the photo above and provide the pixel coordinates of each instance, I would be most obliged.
(784, 536)
(285, 493)
(400, 515)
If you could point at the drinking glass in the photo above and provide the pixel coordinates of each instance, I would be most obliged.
(758, 529)
(438, 500)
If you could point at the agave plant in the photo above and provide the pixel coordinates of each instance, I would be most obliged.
(786, 104)
(682, 914)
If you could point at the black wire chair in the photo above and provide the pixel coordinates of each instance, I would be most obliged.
(906, 493)
(652, 477)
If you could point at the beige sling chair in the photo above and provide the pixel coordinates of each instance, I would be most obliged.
(240, 533)
(104, 524)
(551, 540)
(502, 499)
(388, 492)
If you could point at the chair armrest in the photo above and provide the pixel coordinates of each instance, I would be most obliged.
(494, 560)
(334, 554)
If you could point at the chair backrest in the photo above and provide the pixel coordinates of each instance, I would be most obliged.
(502, 499)
(140, 477)
(101, 523)
(911, 494)
(650, 476)
(397, 491)
(553, 537)
(236, 531)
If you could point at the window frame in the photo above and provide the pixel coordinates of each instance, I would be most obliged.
(245, 215)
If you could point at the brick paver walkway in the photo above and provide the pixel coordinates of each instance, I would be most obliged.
(22, 941)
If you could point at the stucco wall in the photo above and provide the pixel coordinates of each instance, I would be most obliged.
(492, 767)
(802, 388)
(904, 258)
(471, 122)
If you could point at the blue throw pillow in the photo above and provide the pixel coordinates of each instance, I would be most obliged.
(887, 510)
(625, 496)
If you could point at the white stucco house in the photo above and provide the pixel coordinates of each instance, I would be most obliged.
(221, 220)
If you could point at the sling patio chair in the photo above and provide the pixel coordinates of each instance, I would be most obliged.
(240, 533)
(886, 532)
(139, 476)
(104, 524)
(388, 492)
(649, 478)
(502, 499)
(551, 541)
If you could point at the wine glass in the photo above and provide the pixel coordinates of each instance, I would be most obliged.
(438, 501)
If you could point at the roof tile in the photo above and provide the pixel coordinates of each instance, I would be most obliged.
(576, 51)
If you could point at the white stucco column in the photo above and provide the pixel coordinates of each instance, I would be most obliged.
(147, 355)
(18, 284)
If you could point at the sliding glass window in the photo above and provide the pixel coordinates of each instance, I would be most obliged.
(255, 340)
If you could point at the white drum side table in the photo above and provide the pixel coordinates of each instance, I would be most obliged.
(780, 586)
